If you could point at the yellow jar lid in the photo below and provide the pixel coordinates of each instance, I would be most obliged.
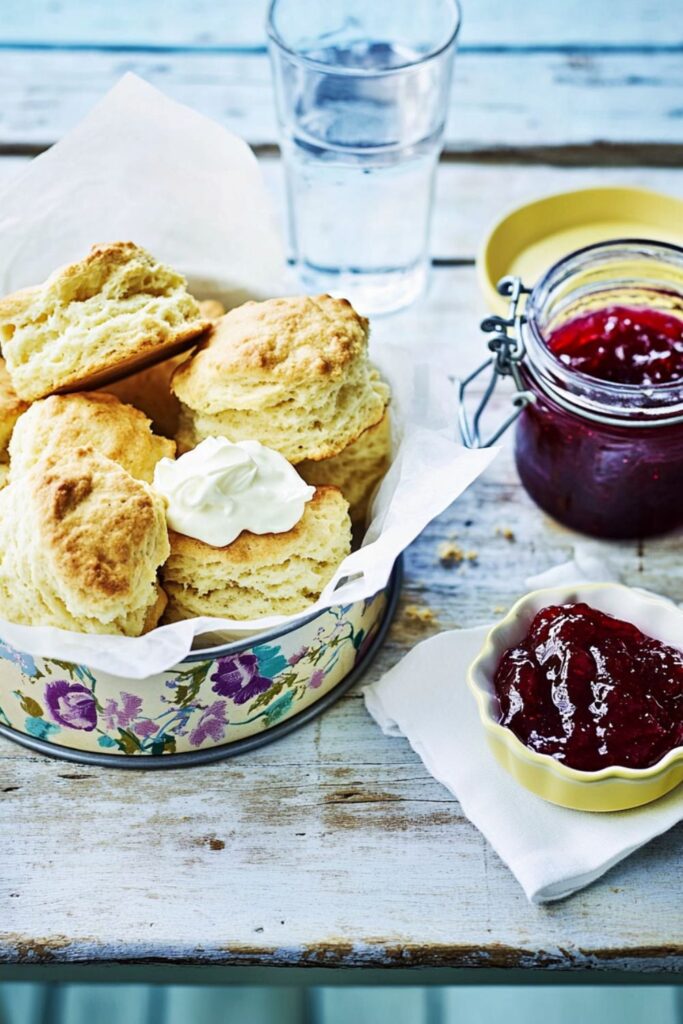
(527, 240)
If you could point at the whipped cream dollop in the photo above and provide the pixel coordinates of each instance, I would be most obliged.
(219, 489)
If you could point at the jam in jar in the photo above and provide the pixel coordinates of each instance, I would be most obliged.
(599, 444)
(592, 690)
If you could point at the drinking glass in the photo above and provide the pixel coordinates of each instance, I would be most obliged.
(362, 90)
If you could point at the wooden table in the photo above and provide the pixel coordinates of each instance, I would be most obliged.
(335, 848)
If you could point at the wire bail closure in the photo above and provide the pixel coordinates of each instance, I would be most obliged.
(508, 351)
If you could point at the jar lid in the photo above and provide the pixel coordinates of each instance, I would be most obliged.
(527, 240)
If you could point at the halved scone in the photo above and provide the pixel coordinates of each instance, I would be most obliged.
(96, 320)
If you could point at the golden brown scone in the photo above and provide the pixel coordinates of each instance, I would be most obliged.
(212, 309)
(4, 473)
(292, 373)
(113, 312)
(55, 424)
(271, 574)
(11, 408)
(80, 545)
(357, 469)
(150, 389)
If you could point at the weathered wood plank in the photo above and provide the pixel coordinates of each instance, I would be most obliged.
(238, 23)
(624, 100)
(469, 197)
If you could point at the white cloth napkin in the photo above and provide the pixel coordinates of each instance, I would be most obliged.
(551, 851)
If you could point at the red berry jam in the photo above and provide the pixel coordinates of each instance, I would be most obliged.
(591, 690)
(622, 344)
(599, 479)
(600, 448)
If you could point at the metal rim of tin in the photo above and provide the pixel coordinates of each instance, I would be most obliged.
(509, 352)
(193, 758)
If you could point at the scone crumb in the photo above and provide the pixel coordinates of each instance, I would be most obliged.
(420, 613)
(499, 609)
(450, 553)
(506, 533)
(472, 556)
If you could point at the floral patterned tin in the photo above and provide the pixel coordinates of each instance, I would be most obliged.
(214, 704)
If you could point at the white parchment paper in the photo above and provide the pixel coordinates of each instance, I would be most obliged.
(141, 167)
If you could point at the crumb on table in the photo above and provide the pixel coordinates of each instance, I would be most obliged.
(420, 613)
(505, 532)
(450, 553)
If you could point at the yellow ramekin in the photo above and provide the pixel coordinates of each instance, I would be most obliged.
(611, 789)
(528, 239)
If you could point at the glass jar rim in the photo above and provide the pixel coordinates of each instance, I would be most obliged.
(277, 39)
(548, 370)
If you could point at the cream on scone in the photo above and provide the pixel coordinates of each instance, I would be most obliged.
(292, 373)
(114, 311)
(53, 425)
(357, 470)
(81, 542)
(248, 537)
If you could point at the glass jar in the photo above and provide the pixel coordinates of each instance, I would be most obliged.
(603, 458)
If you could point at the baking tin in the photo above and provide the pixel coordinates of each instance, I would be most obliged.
(215, 704)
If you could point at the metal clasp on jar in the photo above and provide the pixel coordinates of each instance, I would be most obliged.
(507, 348)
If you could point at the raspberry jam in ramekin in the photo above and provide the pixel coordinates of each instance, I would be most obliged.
(601, 446)
(591, 690)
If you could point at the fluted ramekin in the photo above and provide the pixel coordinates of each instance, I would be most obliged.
(610, 789)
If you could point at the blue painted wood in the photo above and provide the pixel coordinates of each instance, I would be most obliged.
(22, 1002)
(145, 1004)
(585, 1004)
(231, 24)
(370, 1006)
(223, 1005)
(104, 1004)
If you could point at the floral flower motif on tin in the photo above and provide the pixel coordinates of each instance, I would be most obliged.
(24, 661)
(71, 704)
(211, 725)
(238, 677)
(120, 713)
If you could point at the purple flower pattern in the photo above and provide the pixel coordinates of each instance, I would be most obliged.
(211, 725)
(238, 678)
(145, 727)
(71, 704)
(316, 679)
(120, 715)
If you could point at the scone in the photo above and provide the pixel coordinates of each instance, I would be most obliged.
(150, 389)
(80, 545)
(357, 469)
(257, 575)
(11, 408)
(92, 321)
(55, 424)
(292, 373)
(212, 309)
